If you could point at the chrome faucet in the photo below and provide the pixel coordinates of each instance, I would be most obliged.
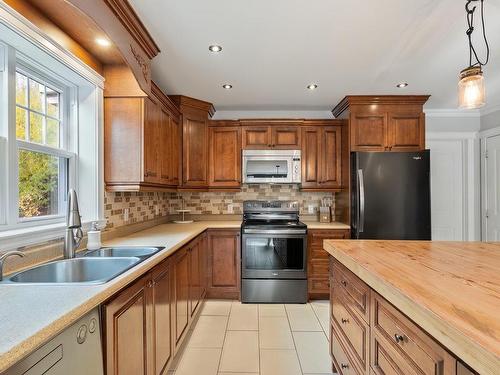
(74, 233)
(3, 257)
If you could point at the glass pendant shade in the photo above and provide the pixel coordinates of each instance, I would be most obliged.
(471, 92)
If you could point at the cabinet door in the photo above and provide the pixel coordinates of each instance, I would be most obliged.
(406, 131)
(194, 276)
(285, 137)
(165, 151)
(224, 266)
(310, 157)
(330, 157)
(126, 331)
(225, 156)
(195, 151)
(368, 132)
(181, 291)
(175, 151)
(203, 264)
(151, 141)
(256, 137)
(161, 298)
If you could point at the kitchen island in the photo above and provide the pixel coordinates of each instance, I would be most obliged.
(448, 294)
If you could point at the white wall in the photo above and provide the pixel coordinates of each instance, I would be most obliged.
(490, 119)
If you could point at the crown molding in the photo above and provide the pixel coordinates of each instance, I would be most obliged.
(350, 100)
(164, 99)
(490, 109)
(186, 101)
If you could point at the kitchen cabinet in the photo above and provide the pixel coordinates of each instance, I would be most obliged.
(271, 134)
(322, 156)
(317, 261)
(384, 123)
(224, 266)
(181, 293)
(370, 336)
(194, 119)
(224, 157)
(195, 275)
(140, 143)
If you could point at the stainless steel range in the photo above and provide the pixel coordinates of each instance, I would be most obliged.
(273, 253)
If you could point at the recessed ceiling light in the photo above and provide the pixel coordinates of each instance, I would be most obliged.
(312, 86)
(215, 48)
(103, 42)
(227, 86)
(402, 85)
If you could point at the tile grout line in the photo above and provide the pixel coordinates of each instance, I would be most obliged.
(293, 339)
(317, 318)
(225, 335)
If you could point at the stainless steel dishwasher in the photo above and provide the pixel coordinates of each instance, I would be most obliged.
(76, 351)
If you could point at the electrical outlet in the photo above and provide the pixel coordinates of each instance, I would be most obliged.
(230, 208)
(126, 213)
(311, 209)
(157, 210)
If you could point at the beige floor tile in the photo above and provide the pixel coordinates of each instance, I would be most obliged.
(279, 362)
(209, 332)
(312, 348)
(302, 318)
(272, 310)
(274, 333)
(239, 373)
(322, 312)
(216, 307)
(240, 352)
(243, 317)
(197, 361)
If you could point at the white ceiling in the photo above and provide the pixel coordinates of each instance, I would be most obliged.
(272, 49)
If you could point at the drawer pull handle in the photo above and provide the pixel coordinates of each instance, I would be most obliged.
(399, 338)
(344, 366)
(344, 320)
(344, 283)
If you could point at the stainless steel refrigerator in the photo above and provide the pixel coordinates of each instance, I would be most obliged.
(390, 196)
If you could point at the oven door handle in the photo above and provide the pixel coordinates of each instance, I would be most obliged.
(274, 231)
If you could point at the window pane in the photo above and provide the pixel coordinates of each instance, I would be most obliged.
(36, 127)
(21, 116)
(52, 133)
(41, 179)
(52, 103)
(37, 96)
(21, 89)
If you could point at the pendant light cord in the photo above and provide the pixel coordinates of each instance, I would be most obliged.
(470, 30)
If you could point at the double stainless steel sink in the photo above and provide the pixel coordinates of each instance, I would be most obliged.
(93, 267)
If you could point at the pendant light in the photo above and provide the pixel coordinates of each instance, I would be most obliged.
(471, 91)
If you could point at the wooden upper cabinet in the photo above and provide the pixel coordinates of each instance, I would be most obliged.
(195, 114)
(138, 143)
(264, 134)
(256, 137)
(322, 156)
(175, 152)
(225, 157)
(384, 123)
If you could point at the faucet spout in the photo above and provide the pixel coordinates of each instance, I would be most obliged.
(74, 233)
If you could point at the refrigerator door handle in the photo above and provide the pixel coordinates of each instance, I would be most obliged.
(361, 185)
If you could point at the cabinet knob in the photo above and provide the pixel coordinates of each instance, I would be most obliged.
(344, 320)
(146, 174)
(344, 283)
(344, 366)
(399, 338)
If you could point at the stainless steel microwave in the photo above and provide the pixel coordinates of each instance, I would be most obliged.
(271, 166)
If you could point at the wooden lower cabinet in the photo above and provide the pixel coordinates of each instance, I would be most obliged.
(317, 261)
(181, 293)
(195, 275)
(387, 343)
(224, 268)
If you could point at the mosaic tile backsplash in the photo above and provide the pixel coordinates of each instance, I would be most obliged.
(221, 203)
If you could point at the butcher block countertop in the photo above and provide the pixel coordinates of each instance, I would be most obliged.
(450, 289)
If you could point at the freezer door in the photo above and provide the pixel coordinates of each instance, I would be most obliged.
(391, 195)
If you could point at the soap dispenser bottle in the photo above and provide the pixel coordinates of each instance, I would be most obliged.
(94, 237)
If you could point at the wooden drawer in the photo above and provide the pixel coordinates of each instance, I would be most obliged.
(356, 331)
(340, 355)
(356, 291)
(316, 238)
(318, 285)
(400, 344)
(318, 268)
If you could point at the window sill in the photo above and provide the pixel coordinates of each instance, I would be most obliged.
(32, 236)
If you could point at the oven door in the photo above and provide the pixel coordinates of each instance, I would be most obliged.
(269, 255)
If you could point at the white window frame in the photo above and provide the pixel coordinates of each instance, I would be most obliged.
(22, 43)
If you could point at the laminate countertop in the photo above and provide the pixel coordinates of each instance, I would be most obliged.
(450, 289)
